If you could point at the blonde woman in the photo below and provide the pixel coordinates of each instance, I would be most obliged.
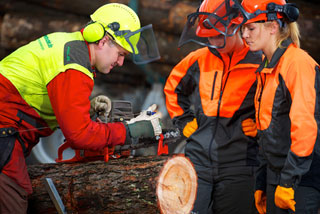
(287, 110)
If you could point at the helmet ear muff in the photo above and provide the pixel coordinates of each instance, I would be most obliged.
(93, 32)
(290, 10)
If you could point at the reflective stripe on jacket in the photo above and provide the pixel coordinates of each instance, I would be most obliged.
(62, 96)
(288, 115)
(218, 91)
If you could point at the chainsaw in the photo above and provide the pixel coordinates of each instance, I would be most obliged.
(121, 111)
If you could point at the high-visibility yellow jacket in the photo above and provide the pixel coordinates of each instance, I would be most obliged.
(45, 83)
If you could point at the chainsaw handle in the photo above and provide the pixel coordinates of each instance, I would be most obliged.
(61, 148)
(162, 147)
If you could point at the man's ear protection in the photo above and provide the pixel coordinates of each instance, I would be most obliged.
(95, 31)
(290, 10)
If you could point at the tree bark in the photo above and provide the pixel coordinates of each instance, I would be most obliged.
(126, 185)
(20, 28)
(171, 14)
(168, 18)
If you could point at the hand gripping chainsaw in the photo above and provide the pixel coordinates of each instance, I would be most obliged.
(121, 111)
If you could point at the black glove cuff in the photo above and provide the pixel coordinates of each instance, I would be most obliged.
(181, 121)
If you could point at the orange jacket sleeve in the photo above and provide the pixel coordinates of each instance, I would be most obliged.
(69, 94)
(300, 81)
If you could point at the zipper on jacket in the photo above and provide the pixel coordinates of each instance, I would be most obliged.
(218, 109)
(214, 83)
(259, 97)
(223, 87)
(221, 92)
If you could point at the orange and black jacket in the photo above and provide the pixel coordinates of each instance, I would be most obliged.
(288, 116)
(218, 91)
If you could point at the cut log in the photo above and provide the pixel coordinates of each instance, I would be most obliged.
(153, 184)
(177, 186)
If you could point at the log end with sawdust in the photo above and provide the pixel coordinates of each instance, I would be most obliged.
(177, 186)
(148, 184)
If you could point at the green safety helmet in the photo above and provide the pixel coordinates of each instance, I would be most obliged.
(122, 24)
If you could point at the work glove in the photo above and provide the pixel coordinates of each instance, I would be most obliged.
(260, 201)
(284, 198)
(249, 127)
(100, 105)
(190, 128)
(146, 124)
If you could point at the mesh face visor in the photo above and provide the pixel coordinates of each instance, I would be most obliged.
(224, 21)
(143, 44)
(189, 31)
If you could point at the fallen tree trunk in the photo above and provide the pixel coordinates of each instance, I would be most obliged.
(166, 16)
(171, 15)
(20, 28)
(153, 184)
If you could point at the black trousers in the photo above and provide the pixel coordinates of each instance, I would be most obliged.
(225, 191)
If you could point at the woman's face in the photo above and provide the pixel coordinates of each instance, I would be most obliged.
(256, 35)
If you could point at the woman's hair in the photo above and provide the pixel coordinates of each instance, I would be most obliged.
(289, 30)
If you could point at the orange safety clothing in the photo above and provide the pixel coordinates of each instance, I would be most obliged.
(249, 127)
(260, 199)
(190, 128)
(69, 93)
(287, 114)
(284, 198)
(218, 91)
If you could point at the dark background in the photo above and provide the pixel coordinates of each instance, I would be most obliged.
(24, 21)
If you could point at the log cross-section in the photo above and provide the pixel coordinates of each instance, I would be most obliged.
(126, 185)
(176, 186)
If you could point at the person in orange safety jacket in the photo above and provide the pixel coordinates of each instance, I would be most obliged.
(47, 83)
(287, 110)
(210, 98)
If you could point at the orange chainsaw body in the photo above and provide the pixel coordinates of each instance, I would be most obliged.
(120, 111)
(106, 154)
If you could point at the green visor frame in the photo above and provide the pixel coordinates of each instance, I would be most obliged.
(143, 44)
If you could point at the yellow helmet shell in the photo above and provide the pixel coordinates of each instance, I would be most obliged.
(124, 15)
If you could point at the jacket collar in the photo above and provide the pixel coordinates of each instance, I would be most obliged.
(275, 58)
(250, 58)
